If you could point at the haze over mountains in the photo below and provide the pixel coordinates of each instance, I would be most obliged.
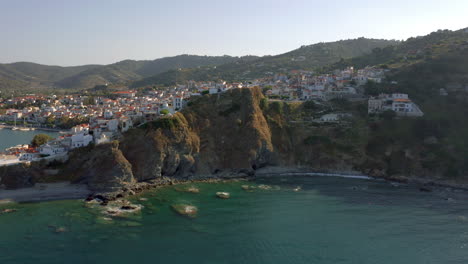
(24, 75)
(32, 75)
(170, 70)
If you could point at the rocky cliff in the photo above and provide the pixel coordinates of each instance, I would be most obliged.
(215, 136)
(221, 136)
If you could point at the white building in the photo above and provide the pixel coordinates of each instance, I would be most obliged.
(103, 137)
(51, 149)
(399, 103)
(81, 139)
(178, 102)
(333, 117)
(29, 156)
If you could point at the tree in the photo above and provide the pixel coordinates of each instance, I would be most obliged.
(310, 105)
(40, 139)
(372, 88)
(388, 115)
(50, 120)
(164, 112)
(89, 101)
(263, 103)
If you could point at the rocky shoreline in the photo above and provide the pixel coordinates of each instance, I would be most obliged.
(423, 184)
(140, 187)
(58, 191)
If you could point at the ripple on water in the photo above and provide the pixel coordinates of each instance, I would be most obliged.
(328, 221)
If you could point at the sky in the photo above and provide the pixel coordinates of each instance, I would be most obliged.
(77, 32)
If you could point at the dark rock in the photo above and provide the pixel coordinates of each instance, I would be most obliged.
(425, 189)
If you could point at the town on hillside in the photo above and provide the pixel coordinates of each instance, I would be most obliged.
(86, 119)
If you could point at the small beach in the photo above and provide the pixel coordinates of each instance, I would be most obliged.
(46, 192)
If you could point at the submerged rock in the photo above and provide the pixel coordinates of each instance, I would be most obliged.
(7, 211)
(60, 229)
(248, 187)
(190, 189)
(264, 187)
(223, 195)
(121, 208)
(193, 190)
(185, 210)
(425, 189)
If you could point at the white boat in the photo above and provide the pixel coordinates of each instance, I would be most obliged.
(14, 128)
(24, 129)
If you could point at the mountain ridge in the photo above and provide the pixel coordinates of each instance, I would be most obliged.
(306, 57)
(28, 75)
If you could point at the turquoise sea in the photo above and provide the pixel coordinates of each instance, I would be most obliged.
(331, 220)
(10, 138)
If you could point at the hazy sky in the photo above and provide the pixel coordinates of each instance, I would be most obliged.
(74, 32)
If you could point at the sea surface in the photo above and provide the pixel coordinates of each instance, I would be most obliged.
(10, 138)
(330, 220)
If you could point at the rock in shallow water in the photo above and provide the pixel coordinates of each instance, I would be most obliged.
(121, 208)
(264, 187)
(60, 229)
(185, 210)
(190, 189)
(6, 211)
(223, 195)
(248, 187)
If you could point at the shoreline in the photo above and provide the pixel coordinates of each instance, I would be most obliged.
(45, 192)
(35, 128)
(65, 190)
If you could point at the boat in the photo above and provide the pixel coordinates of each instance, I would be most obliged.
(24, 129)
(14, 127)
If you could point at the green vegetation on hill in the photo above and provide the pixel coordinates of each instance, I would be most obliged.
(411, 51)
(31, 76)
(437, 142)
(305, 58)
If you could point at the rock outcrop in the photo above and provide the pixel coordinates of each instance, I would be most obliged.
(218, 136)
(103, 169)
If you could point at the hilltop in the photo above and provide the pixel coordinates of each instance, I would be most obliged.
(31, 76)
(26, 76)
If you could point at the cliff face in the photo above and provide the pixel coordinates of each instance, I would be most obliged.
(230, 134)
(221, 136)
(103, 169)
(217, 136)
(19, 176)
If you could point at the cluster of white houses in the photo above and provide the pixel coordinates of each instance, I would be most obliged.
(305, 85)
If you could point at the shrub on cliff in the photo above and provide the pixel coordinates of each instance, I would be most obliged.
(163, 123)
(277, 107)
